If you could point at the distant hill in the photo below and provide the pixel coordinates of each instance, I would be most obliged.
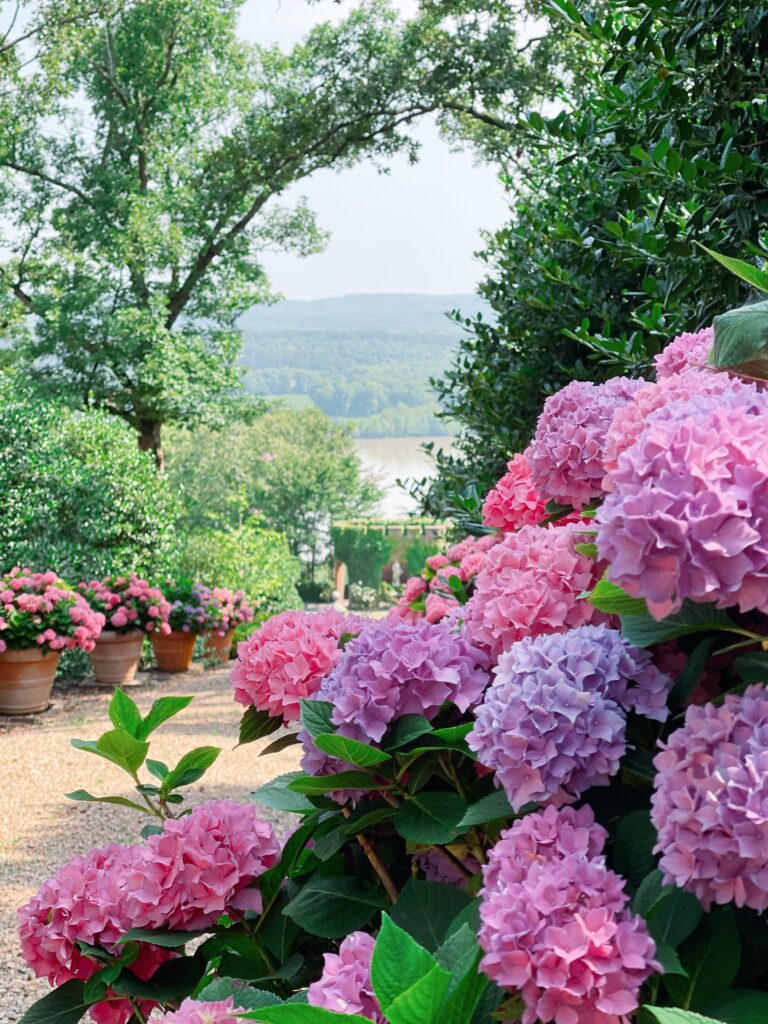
(365, 358)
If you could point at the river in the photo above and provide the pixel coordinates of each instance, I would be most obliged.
(390, 458)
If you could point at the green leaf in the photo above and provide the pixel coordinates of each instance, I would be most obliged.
(316, 716)
(431, 817)
(741, 340)
(710, 956)
(289, 740)
(643, 630)
(349, 750)
(85, 797)
(316, 785)
(157, 768)
(669, 959)
(362, 818)
(405, 731)
(420, 1004)
(117, 746)
(398, 963)
(757, 278)
(279, 797)
(691, 674)
(191, 767)
(495, 805)
(162, 709)
(752, 667)
(244, 996)
(255, 725)
(673, 1015)
(301, 1013)
(428, 910)
(124, 714)
(738, 1006)
(65, 1005)
(674, 916)
(162, 937)
(334, 907)
(460, 1003)
(171, 981)
(458, 951)
(635, 839)
(607, 597)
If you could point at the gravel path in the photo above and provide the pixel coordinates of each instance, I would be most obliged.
(40, 830)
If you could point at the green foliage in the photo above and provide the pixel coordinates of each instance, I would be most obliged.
(78, 496)
(364, 549)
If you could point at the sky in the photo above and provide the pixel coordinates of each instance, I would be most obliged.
(415, 229)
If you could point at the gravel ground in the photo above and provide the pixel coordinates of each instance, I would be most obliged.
(40, 830)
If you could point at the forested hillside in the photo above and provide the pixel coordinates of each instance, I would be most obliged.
(361, 357)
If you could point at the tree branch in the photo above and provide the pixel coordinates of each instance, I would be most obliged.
(5, 45)
(34, 172)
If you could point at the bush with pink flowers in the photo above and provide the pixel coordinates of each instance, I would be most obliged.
(37, 609)
(128, 603)
(536, 792)
(227, 609)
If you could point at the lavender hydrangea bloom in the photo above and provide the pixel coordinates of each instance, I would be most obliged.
(710, 805)
(345, 984)
(686, 517)
(566, 454)
(553, 722)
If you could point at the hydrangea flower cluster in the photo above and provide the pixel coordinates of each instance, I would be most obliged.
(686, 519)
(710, 800)
(553, 722)
(287, 658)
(555, 925)
(689, 351)
(566, 454)
(193, 1011)
(128, 603)
(185, 877)
(227, 609)
(514, 501)
(345, 985)
(430, 595)
(37, 609)
(190, 603)
(531, 584)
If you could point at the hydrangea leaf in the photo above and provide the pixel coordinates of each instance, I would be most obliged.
(428, 911)
(334, 907)
(65, 1005)
(350, 750)
(431, 817)
(255, 725)
(741, 340)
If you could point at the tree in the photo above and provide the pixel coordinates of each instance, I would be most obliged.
(659, 143)
(136, 225)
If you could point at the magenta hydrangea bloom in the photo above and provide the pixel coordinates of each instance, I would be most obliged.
(531, 584)
(686, 517)
(631, 419)
(554, 923)
(710, 800)
(687, 352)
(566, 454)
(345, 985)
(200, 866)
(514, 501)
(553, 722)
(192, 1011)
(286, 659)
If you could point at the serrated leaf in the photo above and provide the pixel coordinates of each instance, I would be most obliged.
(162, 709)
(334, 907)
(643, 630)
(405, 730)
(429, 910)
(65, 1005)
(609, 598)
(117, 746)
(431, 817)
(674, 1015)
(255, 725)
(166, 937)
(741, 340)
(244, 997)
(398, 963)
(301, 1013)
(124, 714)
(349, 750)
(489, 808)
(316, 785)
(316, 716)
(746, 271)
(279, 797)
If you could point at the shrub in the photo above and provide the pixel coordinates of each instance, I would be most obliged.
(77, 493)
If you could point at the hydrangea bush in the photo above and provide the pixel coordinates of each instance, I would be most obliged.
(128, 603)
(536, 793)
(37, 609)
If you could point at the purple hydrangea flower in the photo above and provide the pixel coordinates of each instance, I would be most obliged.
(687, 352)
(554, 923)
(345, 984)
(686, 518)
(566, 454)
(710, 805)
(552, 723)
(193, 1011)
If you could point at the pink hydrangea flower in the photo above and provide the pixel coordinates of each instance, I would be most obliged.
(287, 659)
(553, 721)
(554, 923)
(128, 602)
(345, 984)
(193, 1011)
(531, 584)
(686, 519)
(630, 420)
(687, 352)
(198, 867)
(32, 601)
(710, 800)
(514, 501)
(566, 454)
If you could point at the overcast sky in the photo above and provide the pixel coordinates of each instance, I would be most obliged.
(413, 230)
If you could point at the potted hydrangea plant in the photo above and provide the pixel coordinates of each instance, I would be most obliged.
(132, 609)
(227, 609)
(40, 616)
(187, 618)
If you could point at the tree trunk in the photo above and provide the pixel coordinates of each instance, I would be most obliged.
(149, 440)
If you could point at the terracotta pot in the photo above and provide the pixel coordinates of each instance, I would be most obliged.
(26, 680)
(217, 647)
(116, 657)
(173, 652)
